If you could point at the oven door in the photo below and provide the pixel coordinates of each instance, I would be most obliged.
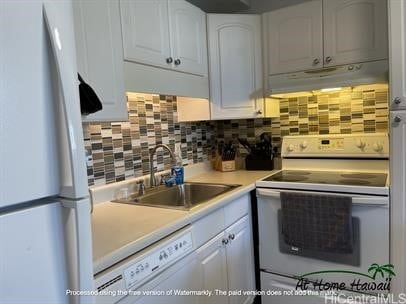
(372, 216)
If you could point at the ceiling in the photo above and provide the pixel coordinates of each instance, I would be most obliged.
(222, 6)
(243, 6)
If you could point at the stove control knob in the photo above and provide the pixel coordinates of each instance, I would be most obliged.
(304, 145)
(291, 148)
(360, 144)
(378, 147)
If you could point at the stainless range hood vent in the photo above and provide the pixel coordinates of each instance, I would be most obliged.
(222, 6)
(330, 77)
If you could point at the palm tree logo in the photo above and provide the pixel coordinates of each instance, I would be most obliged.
(375, 268)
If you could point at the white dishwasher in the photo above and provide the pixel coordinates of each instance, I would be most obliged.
(154, 275)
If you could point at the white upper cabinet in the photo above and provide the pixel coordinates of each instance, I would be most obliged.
(324, 33)
(295, 38)
(189, 42)
(235, 63)
(146, 31)
(355, 31)
(397, 58)
(165, 33)
(100, 55)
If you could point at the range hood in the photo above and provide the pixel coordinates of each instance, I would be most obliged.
(221, 6)
(339, 76)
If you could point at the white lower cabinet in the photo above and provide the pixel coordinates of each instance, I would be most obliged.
(227, 264)
(213, 268)
(240, 260)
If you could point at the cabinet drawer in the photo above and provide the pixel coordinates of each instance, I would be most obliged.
(236, 210)
(207, 227)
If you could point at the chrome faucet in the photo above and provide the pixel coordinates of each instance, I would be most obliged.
(152, 180)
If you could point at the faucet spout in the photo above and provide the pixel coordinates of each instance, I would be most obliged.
(152, 180)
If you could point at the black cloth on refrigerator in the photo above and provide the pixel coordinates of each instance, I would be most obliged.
(317, 222)
(89, 101)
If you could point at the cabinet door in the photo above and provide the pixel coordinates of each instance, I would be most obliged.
(235, 66)
(354, 31)
(240, 260)
(397, 58)
(100, 55)
(398, 197)
(213, 269)
(145, 26)
(294, 38)
(188, 37)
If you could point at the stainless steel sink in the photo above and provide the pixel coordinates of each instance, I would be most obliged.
(181, 197)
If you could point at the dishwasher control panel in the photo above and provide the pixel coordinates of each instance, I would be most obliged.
(158, 259)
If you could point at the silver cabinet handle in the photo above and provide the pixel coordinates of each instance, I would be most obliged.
(397, 119)
(169, 60)
(397, 100)
(231, 236)
(329, 59)
(224, 241)
(316, 61)
(177, 62)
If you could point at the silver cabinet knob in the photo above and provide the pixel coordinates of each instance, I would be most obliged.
(329, 59)
(397, 119)
(177, 62)
(397, 100)
(224, 241)
(169, 60)
(316, 61)
(259, 112)
(231, 236)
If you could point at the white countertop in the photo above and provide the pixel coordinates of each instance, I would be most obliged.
(120, 230)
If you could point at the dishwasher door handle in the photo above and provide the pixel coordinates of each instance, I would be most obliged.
(356, 200)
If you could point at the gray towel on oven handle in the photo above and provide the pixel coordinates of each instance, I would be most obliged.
(317, 222)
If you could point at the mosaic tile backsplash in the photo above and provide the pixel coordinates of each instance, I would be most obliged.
(120, 150)
(346, 111)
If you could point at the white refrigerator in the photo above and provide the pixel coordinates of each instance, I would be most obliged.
(45, 221)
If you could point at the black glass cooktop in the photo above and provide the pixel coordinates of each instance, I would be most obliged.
(332, 178)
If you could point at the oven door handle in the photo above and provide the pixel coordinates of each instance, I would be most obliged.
(356, 200)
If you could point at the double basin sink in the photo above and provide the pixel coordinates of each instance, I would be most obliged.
(183, 197)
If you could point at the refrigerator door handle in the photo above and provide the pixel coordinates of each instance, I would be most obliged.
(60, 30)
(81, 271)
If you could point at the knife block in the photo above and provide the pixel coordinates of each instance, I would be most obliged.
(224, 165)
